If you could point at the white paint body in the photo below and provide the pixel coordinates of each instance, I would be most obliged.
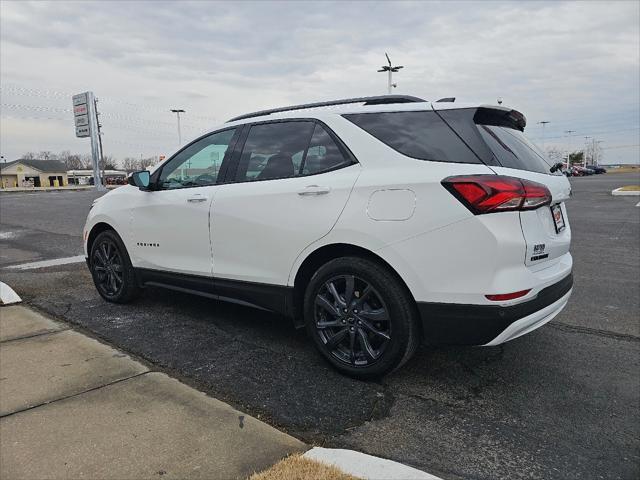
(388, 204)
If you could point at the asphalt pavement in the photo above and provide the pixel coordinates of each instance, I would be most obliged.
(561, 402)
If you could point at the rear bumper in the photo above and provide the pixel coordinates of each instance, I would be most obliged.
(457, 324)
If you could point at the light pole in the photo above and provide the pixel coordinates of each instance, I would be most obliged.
(543, 123)
(390, 69)
(569, 132)
(178, 111)
(584, 156)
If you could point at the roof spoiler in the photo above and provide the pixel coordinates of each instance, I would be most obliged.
(500, 117)
(379, 100)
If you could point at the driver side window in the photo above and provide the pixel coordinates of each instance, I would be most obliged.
(197, 165)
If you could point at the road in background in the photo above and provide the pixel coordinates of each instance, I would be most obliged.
(561, 402)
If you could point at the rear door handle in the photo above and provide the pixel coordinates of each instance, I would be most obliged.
(197, 199)
(314, 190)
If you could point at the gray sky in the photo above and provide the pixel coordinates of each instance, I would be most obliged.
(575, 64)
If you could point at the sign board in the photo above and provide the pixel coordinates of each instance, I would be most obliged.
(82, 120)
(79, 99)
(80, 109)
(83, 131)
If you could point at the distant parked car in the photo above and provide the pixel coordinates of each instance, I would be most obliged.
(598, 169)
(582, 171)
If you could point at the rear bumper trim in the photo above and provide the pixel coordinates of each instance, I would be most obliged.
(461, 324)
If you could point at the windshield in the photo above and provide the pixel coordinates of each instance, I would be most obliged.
(513, 149)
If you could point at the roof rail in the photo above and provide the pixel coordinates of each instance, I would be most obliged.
(379, 100)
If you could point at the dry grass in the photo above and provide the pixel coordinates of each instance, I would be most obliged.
(297, 467)
(630, 188)
(629, 169)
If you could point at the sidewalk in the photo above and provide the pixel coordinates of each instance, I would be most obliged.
(71, 407)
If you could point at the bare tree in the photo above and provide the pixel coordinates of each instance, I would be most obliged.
(143, 163)
(555, 154)
(593, 153)
(28, 156)
(130, 164)
(47, 155)
(71, 161)
(108, 163)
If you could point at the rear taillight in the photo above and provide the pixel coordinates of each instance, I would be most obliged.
(497, 193)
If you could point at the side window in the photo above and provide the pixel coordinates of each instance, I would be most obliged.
(197, 165)
(270, 149)
(323, 153)
(422, 135)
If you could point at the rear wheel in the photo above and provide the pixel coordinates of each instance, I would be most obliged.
(111, 269)
(360, 317)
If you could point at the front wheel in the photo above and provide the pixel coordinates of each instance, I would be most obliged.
(361, 318)
(111, 269)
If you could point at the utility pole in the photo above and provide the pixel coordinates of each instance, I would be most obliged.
(178, 111)
(596, 152)
(569, 132)
(95, 108)
(543, 123)
(390, 70)
(584, 156)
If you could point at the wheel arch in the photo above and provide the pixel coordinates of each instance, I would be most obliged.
(324, 254)
(96, 230)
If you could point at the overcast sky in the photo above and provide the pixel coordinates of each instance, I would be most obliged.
(574, 64)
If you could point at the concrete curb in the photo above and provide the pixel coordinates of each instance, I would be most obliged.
(7, 295)
(366, 466)
(620, 192)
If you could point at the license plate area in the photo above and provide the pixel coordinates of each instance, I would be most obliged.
(558, 217)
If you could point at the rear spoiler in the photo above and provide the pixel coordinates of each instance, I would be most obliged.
(500, 117)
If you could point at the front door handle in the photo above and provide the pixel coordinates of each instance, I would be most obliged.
(196, 199)
(314, 190)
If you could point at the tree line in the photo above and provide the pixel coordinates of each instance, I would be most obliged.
(75, 161)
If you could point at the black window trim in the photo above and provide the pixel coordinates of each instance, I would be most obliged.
(479, 162)
(344, 150)
(222, 174)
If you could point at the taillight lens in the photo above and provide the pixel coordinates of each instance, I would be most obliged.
(497, 193)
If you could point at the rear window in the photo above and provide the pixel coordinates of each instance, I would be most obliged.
(422, 135)
(514, 150)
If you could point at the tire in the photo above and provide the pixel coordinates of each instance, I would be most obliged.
(114, 277)
(381, 310)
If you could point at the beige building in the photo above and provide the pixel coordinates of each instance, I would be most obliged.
(33, 173)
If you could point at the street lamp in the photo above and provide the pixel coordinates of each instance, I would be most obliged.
(543, 123)
(390, 69)
(178, 111)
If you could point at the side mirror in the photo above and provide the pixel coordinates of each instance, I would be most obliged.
(140, 179)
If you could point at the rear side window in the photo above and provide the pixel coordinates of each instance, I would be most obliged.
(514, 150)
(422, 135)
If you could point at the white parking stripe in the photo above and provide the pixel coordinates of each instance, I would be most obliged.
(48, 263)
(638, 204)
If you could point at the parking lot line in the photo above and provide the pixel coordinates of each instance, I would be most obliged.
(48, 263)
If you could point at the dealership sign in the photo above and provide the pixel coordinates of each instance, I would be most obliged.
(85, 119)
(81, 114)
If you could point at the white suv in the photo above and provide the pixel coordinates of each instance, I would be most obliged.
(377, 223)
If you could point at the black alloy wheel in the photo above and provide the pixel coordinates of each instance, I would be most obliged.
(111, 269)
(361, 317)
(352, 320)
